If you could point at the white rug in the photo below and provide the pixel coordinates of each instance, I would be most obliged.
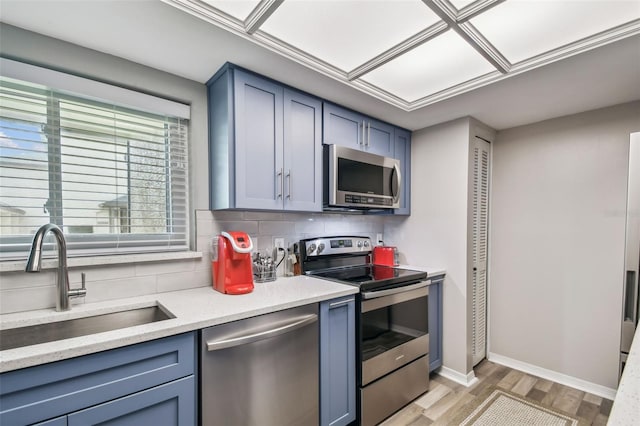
(503, 408)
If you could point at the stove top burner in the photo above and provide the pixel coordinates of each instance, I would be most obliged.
(372, 277)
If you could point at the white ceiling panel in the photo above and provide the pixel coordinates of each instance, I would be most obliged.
(445, 61)
(347, 33)
(521, 29)
(239, 9)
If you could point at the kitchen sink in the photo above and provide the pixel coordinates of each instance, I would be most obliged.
(49, 332)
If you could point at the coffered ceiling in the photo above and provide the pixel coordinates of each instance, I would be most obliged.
(415, 64)
(413, 53)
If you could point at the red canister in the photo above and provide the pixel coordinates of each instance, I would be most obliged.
(385, 255)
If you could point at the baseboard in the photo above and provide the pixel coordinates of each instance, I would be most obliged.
(462, 379)
(554, 376)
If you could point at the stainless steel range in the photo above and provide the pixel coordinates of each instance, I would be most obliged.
(392, 328)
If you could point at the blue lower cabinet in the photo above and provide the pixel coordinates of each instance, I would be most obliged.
(171, 404)
(435, 323)
(150, 380)
(337, 362)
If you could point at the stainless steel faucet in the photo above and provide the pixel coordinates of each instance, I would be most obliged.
(64, 292)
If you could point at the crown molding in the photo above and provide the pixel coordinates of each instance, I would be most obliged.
(475, 8)
(450, 20)
(260, 14)
(399, 49)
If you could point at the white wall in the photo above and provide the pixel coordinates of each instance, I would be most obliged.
(557, 242)
(436, 232)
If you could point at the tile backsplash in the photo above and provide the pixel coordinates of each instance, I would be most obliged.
(20, 291)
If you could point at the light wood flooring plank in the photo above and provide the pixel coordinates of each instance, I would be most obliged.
(594, 399)
(569, 400)
(435, 394)
(406, 416)
(439, 408)
(588, 410)
(510, 379)
(524, 385)
(543, 384)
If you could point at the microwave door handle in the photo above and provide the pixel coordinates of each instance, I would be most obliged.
(398, 177)
(368, 134)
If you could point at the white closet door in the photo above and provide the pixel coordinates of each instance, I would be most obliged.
(480, 169)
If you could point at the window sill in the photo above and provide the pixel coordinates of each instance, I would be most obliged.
(73, 262)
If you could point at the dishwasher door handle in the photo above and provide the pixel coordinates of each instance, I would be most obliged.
(254, 337)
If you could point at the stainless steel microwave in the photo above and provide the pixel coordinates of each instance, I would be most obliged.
(358, 179)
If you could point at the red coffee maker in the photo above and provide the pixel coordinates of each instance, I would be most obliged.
(385, 255)
(231, 263)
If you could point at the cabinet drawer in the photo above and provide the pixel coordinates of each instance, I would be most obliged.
(46, 391)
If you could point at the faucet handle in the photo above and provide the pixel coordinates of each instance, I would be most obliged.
(82, 291)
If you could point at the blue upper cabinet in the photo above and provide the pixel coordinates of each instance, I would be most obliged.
(351, 129)
(265, 148)
(302, 152)
(402, 152)
(258, 126)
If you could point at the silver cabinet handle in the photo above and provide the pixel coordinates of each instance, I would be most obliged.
(368, 134)
(295, 324)
(289, 184)
(279, 183)
(340, 303)
(364, 134)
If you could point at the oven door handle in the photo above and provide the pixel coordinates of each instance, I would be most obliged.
(375, 294)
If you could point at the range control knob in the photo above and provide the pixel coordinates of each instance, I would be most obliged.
(359, 243)
(366, 243)
(311, 249)
(320, 247)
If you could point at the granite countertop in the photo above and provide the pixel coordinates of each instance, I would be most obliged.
(193, 309)
(626, 406)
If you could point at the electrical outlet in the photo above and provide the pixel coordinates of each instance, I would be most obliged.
(278, 242)
(378, 238)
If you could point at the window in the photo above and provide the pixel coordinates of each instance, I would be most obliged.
(113, 178)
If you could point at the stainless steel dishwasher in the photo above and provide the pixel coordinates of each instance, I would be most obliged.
(262, 370)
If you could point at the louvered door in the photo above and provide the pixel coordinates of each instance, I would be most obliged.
(480, 169)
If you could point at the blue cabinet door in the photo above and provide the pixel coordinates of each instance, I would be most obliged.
(353, 130)
(379, 138)
(259, 166)
(402, 151)
(337, 362)
(342, 127)
(47, 391)
(302, 152)
(171, 404)
(435, 323)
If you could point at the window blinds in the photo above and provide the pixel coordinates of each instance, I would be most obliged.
(115, 179)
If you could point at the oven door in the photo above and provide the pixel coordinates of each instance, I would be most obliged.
(393, 329)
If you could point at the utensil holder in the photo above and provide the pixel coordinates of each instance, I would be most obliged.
(263, 274)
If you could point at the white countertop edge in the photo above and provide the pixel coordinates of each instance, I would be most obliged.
(194, 309)
(626, 405)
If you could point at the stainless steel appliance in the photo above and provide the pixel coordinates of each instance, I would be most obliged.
(631, 302)
(262, 370)
(358, 179)
(392, 327)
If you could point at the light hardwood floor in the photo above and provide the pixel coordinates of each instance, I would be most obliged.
(445, 398)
